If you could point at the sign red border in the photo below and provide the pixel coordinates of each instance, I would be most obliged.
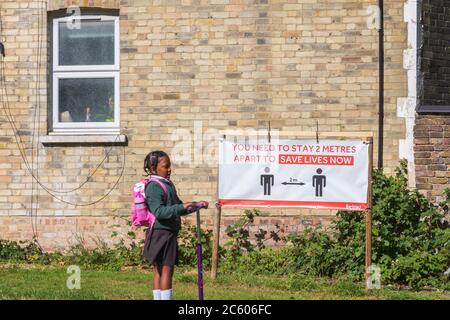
(239, 203)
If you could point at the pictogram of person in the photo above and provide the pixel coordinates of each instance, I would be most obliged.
(267, 180)
(319, 181)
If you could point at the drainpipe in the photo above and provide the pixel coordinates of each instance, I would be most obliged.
(381, 85)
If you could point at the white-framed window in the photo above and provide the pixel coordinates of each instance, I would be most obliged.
(86, 74)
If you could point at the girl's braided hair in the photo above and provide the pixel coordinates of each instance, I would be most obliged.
(152, 159)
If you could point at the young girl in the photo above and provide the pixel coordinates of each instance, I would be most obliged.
(161, 247)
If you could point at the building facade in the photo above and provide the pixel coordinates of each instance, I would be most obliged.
(90, 87)
(432, 126)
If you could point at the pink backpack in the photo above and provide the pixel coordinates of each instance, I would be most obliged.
(140, 212)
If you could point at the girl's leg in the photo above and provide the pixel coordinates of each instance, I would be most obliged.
(166, 277)
(166, 282)
(157, 271)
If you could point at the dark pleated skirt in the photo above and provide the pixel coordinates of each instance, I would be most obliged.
(161, 247)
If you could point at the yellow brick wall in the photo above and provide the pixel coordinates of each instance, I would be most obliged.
(218, 64)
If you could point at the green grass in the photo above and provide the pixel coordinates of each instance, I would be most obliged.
(45, 282)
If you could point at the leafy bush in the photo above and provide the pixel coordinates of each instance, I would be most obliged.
(239, 235)
(187, 246)
(411, 236)
(125, 253)
(105, 258)
(419, 269)
(264, 261)
(24, 251)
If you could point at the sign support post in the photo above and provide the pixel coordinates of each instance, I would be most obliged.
(216, 231)
(368, 262)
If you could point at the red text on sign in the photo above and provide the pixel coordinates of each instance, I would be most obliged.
(316, 160)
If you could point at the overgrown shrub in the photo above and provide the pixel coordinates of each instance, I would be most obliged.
(105, 257)
(126, 252)
(23, 251)
(239, 234)
(411, 236)
(264, 261)
(187, 246)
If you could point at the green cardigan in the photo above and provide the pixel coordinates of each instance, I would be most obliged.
(167, 213)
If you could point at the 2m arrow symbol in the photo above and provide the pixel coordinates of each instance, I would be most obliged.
(293, 183)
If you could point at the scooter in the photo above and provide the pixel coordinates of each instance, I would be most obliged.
(196, 207)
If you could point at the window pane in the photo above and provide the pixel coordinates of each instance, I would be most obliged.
(91, 44)
(86, 100)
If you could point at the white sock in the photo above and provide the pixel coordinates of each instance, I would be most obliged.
(166, 294)
(157, 294)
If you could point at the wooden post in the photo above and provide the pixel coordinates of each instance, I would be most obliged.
(368, 245)
(216, 234)
(216, 231)
(369, 217)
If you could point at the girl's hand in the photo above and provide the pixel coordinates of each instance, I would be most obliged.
(193, 206)
(204, 204)
(189, 204)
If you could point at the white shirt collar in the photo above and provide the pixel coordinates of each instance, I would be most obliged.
(159, 177)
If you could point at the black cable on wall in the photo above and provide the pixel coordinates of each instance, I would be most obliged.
(381, 85)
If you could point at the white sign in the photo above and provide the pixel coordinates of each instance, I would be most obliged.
(331, 174)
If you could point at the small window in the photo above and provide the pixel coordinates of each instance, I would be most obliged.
(86, 74)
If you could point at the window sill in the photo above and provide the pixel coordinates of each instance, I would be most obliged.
(83, 140)
(430, 109)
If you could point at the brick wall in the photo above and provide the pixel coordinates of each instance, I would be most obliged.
(61, 233)
(432, 155)
(213, 65)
